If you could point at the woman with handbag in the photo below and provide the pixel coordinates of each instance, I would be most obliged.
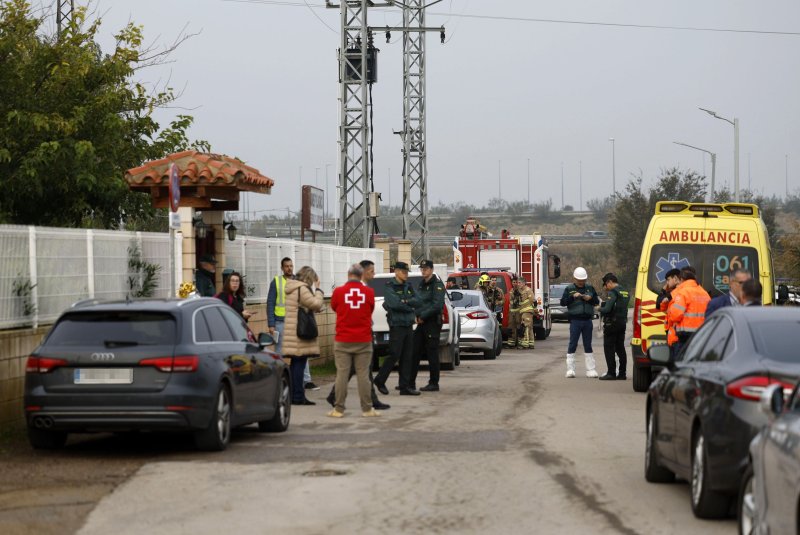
(303, 298)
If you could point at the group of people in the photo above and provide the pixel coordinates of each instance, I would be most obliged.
(687, 304)
(683, 300)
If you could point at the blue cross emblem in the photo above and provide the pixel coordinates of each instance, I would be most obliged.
(673, 261)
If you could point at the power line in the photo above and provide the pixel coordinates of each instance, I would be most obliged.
(549, 21)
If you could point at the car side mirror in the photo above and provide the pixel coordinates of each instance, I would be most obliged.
(660, 354)
(456, 296)
(772, 401)
(265, 339)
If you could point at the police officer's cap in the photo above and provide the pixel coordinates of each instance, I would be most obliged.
(426, 264)
(609, 277)
(400, 265)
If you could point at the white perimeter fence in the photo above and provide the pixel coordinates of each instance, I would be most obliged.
(44, 270)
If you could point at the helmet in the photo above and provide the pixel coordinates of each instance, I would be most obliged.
(484, 279)
(580, 274)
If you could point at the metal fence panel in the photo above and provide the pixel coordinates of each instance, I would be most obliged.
(14, 272)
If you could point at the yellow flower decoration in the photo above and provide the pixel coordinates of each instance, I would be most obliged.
(186, 289)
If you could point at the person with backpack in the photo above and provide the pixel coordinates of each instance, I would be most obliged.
(303, 296)
(233, 294)
(615, 320)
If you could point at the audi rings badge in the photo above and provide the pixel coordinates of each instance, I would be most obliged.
(102, 357)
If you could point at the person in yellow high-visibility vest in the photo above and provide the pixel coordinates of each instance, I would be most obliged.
(528, 309)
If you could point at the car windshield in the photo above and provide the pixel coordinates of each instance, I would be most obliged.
(379, 284)
(714, 264)
(771, 341)
(467, 300)
(557, 291)
(114, 329)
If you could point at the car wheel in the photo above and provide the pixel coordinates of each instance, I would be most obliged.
(283, 410)
(652, 471)
(458, 356)
(41, 439)
(706, 503)
(539, 333)
(641, 378)
(490, 354)
(498, 344)
(216, 436)
(746, 510)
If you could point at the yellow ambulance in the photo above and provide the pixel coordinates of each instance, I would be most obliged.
(716, 239)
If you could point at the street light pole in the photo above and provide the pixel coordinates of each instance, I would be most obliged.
(580, 186)
(562, 186)
(735, 124)
(713, 165)
(613, 165)
(529, 181)
(499, 181)
(787, 176)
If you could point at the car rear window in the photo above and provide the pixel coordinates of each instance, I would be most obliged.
(379, 285)
(771, 340)
(557, 291)
(467, 300)
(114, 329)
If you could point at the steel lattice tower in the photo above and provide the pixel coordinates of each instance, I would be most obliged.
(64, 9)
(415, 171)
(354, 167)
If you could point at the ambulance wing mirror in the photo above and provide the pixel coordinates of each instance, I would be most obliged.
(556, 267)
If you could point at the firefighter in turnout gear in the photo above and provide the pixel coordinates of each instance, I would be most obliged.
(496, 298)
(514, 315)
(527, 309)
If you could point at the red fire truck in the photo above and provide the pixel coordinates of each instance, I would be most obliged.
(526, 256)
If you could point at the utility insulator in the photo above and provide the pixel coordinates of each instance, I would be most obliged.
(441, 34)
(388, 35)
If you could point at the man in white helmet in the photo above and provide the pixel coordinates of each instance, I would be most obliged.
(580, 299)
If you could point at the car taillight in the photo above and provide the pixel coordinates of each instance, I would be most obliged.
(173, 364)
(445, 315)
(637, 318)
(477, 315)
(43, 364)
(750, 388)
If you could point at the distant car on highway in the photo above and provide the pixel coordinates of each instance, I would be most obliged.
(702, 409)
(156, 365)
(769, 500)
(595, 234)
(480, 330)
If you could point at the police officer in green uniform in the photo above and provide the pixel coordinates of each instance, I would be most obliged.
(400, 304)
(615, 318)
(429, 325)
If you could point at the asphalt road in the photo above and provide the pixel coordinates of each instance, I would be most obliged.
(507, 446)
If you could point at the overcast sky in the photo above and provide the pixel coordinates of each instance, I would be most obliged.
(263, 79)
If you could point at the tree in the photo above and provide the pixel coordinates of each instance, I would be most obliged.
(635, 206)
(72, 120)
(601, 207)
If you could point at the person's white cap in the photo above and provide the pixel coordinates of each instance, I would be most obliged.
(580, 274)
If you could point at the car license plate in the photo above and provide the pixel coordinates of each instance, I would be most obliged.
(103, 376)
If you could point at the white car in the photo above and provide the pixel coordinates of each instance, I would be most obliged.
(449, 355)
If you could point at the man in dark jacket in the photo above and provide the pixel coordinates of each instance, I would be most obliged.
(399, 301)
(615, 319)
(429, 325)
(734, 295)
(580, 299)
(205, 276)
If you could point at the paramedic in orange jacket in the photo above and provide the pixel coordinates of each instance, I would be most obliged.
(686, 311)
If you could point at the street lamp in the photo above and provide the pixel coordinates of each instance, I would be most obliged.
(713, 165)
(613, 165)
(735, 124)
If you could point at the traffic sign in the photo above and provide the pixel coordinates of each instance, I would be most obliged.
(174, 188)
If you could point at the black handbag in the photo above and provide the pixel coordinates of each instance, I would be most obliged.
(306, 323)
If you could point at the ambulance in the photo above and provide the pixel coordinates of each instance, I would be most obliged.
(716, 239)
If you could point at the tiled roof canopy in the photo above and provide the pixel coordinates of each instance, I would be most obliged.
(208, 181)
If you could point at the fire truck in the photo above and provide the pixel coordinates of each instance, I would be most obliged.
(504, 257)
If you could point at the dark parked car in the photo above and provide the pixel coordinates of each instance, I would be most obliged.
(702, 409)
(557, 312)
(769, 502)
(169, 365)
